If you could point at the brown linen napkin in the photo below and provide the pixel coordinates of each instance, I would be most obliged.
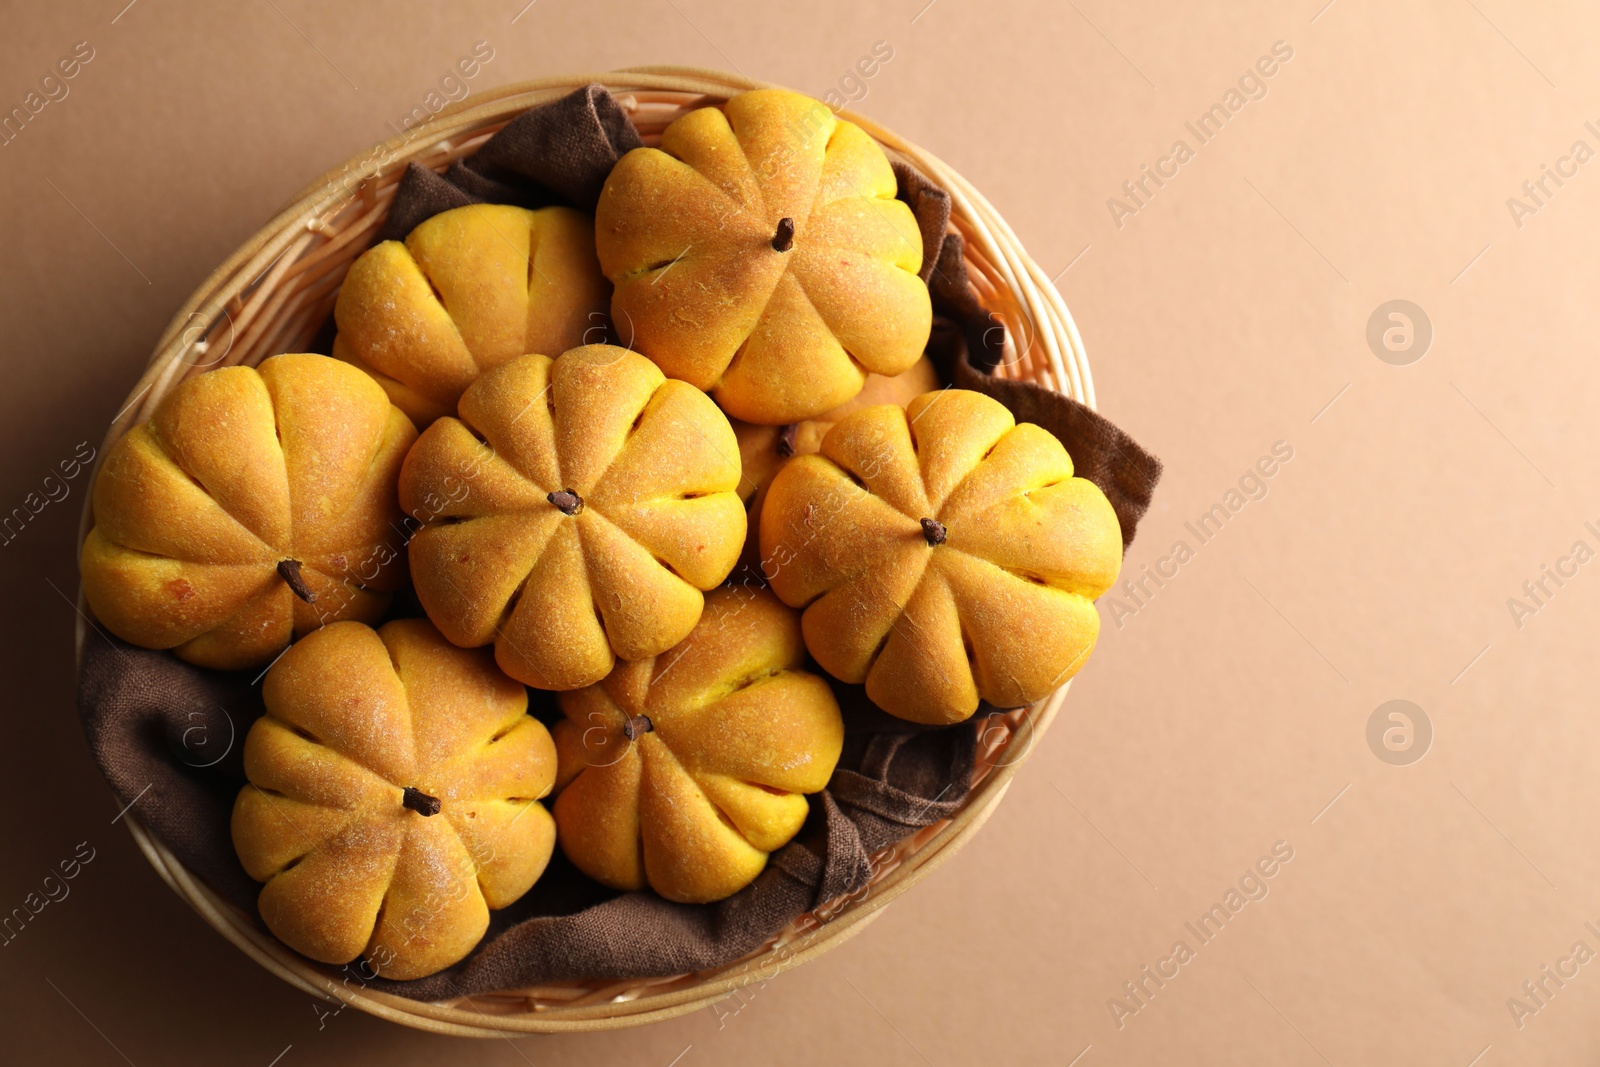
(169, 736)
(560, 153)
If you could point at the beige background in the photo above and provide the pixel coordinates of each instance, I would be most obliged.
(1223, 716)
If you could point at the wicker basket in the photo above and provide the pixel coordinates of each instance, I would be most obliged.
(273, 295)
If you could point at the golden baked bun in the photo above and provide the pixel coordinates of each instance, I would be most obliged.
(683, 771)
(574, 513)
(253, 507)
(763, 450)
(393, 797)
(943, 554)
(760, 254)
(469, 289)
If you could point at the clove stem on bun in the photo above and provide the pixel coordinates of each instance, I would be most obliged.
(783, 240)
(289, 571)
(566, 501)
(419, 802)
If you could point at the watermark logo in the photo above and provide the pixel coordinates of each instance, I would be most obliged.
(53, 889)
(1538, 191)
(52, 490)
(1140, 190)
(453, 87)
(1399, 732)
(1537, 992)
(204, 740)
(53, 89)
(1252, 887)
(1541, 589)
(1137, 591)
(1012, 740)
(852, 86)
(1399, 332)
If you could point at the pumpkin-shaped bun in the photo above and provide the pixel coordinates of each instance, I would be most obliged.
(393, 797)
(574, 513)
(763, 450)
(683, 771)
(760, 254)
(943, 554)
(469, 289)
(253, 507)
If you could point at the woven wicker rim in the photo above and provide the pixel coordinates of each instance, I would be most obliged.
(274, 293)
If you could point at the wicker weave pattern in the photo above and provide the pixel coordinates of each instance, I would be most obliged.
(274, 293)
